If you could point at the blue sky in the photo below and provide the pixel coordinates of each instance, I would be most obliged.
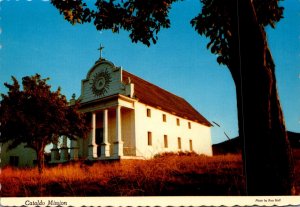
(35, 38)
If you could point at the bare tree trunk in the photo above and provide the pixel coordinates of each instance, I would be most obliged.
(40, 157)
(267, 155)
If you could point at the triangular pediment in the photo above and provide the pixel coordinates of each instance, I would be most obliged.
(102, 80)
(100, 64)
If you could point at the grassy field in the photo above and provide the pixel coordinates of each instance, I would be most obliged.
(168, 174)
(183, 174)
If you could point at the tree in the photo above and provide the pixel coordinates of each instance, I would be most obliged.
(237, 36)
(236, 31)
(37, 116)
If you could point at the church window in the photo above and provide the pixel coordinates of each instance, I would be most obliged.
(190, 125)
(148, 112)
(149, 138)
(166, 141)
(178, 122)
(14, 161)
(191, 145)
(179, 142)
(34, 162)
(164, 116)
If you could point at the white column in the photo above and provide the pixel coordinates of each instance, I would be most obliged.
(118, 144)
(105, 144)
(54, 153)
(92, 154)
(64, 150)
(74, 150)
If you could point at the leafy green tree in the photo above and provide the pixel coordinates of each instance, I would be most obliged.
(236, 29)
(37, 116)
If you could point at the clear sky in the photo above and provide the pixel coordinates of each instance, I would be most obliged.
(35, 38)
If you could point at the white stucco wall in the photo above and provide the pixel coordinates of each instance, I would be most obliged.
(199, 134)
(128, 131)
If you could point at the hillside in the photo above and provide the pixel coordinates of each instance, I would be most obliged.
(234, 145)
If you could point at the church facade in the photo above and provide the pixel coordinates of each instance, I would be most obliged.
(131, 118)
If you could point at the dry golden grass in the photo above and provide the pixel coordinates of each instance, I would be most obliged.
(168, 174)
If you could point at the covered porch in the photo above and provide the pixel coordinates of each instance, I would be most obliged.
(112, 135)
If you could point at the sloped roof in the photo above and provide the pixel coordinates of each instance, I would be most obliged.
(157, 97)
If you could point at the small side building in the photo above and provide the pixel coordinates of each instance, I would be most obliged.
(21, 156)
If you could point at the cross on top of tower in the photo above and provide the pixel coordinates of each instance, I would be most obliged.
(101, 48)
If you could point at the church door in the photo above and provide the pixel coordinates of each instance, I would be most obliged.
(99, 140)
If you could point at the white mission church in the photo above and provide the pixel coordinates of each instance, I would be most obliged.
(130, 118)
